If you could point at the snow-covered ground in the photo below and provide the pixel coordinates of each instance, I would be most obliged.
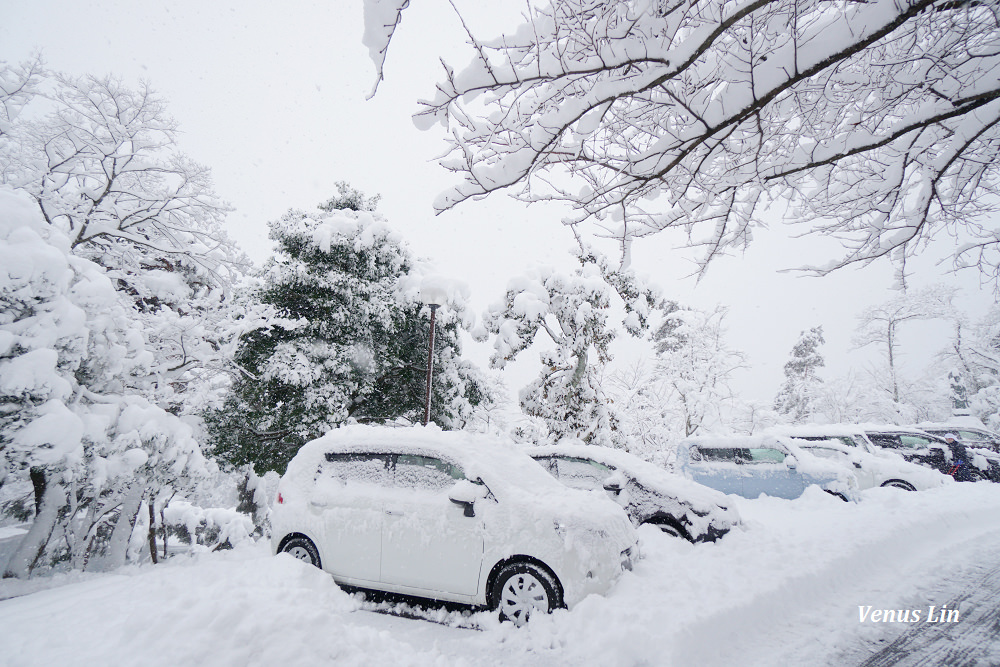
(785, 590)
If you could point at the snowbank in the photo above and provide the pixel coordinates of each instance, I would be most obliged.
(783, 590)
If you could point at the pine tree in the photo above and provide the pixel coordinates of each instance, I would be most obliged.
(351, 344)
(796, 396)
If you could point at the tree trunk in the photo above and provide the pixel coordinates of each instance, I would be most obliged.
(122, 533)
(32, 546)
(152, 531)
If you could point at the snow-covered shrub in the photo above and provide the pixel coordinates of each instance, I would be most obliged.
(212, 527)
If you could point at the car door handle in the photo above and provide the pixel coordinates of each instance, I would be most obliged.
(394, 512)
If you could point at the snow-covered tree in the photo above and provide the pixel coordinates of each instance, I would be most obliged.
(696, 364)
(351, 343)
(18, 85)
(796, 395)
(570, 313)
(973, 363)
(879, 122)
(642, 403)
(101, 162)
(69, 352)
(880, 325)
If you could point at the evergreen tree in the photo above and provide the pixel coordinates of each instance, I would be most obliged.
(352, 344)
(796, 396)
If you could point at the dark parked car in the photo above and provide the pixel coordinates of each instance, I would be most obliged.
(647, 492)
(951, 458)
(966, 435)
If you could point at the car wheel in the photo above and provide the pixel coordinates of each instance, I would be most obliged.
(524, 589)
(900, 484)
(670, 527)
(303, 549)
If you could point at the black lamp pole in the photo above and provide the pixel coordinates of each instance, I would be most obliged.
(430, 366)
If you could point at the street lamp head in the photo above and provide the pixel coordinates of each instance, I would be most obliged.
(433, 293)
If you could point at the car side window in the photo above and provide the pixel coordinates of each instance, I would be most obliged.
(765, 455)
(372, 469)
(582, 473)
(883, 440)
(915, 441)
(425, 472)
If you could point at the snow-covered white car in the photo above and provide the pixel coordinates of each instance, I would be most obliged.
(875, 470)
(648, 493)
(871, 465)
(752, 465)
(449, 516)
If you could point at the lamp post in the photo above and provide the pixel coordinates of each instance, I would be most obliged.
(433, 296)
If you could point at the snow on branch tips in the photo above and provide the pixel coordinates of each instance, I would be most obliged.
(878, 121)
(381, 19)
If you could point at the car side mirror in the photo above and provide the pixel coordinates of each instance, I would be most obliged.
(857, 464)
(615, 483)
(468, 508)
(791, 462)
(465, 493)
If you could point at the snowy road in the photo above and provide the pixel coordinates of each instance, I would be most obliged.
(786, 590)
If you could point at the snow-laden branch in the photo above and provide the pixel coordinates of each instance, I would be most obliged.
(877, 120)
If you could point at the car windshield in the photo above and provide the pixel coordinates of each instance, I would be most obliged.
(721, 454)
(827, 452)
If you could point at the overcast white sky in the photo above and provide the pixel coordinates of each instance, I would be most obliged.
(271, 96)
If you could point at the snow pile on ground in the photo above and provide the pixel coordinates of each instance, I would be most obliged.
(783, 590)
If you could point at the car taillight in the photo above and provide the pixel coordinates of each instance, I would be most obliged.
(280, 499)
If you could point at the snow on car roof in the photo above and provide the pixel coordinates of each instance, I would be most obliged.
(817, 430)
(646, 473)
(756, 441)
(500, 464)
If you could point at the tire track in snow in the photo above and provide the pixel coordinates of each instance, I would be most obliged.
(973, 641)
(810, 618)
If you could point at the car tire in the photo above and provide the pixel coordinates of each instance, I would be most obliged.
(899, 484)
(302, 549)
(522, 589)
(670, 527)
(837, 494)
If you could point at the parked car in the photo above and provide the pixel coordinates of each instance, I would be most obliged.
(872, 466)
(449, 516)
(649, 494)
(966, 435)
(749, 466)
(875, 470)
(951, 458)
